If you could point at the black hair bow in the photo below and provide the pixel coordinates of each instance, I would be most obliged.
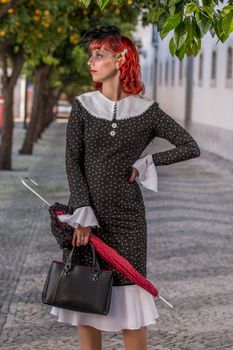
(87, 35)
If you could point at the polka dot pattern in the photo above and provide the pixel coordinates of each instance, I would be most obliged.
(99, 164)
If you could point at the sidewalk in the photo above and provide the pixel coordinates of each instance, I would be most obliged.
(190, 252)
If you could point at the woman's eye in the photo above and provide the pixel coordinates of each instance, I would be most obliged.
(96, 55)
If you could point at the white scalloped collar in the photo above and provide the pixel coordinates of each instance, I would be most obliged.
(101, 106)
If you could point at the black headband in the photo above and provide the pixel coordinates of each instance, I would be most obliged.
(86, 36)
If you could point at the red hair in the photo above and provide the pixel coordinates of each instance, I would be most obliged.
(130, 71)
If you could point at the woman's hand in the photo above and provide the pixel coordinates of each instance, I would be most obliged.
(134, 174)
(81, 236)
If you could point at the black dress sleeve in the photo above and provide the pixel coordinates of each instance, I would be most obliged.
(79, 194)
(167, 128)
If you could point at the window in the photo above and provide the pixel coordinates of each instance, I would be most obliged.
(151, 74)
(213, 68)
(180, 72)
(229, 63)
(145, 71)
(173, 72)
(160, 73)
(229, 68)
(200, 70)
(155, 35)
(166, 72)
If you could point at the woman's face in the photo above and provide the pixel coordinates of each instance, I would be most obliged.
(102, 64)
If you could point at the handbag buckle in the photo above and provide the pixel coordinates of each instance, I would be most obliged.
(67, 270)
(95, 275)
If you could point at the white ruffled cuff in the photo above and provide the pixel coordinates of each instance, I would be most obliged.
(147, 172)
(83, 216)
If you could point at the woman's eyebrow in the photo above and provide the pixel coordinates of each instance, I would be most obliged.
(93, 51)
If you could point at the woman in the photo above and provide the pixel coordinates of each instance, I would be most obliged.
(107, 131)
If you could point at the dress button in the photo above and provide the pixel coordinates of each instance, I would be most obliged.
(112, 133)
(114, 125)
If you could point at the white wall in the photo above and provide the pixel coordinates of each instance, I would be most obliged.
(212, 105)
(171, 97)
(211, 114)
(146, 63)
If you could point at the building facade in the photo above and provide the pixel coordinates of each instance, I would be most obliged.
(197, 91)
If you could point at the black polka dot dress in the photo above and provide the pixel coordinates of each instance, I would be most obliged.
(104, 139)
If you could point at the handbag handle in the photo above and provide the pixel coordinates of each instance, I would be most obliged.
(68, 268)
(95, 261)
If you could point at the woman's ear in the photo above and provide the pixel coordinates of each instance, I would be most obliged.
(120, 60)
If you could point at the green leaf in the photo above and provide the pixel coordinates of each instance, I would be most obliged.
(172, 10)
(172, 46)
(181, 52)
(102, 4)
(155, 14)
(173, 2)
(160, 23)
(189, 28)
(196, 46)
(171, 23)
(219, 30)
(207, 12)
(86, 3)
(196, 28)
(180, 35)
(188, 50)
(207, 2)
(227, 23)
(50, 60)
(226, 10)
(204, 24)
(192, 7)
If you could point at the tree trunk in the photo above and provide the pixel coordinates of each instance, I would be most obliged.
(40, 121)
(50, 96)
(8, 119)
(53, 97)
(25, 107)
(37, 110)
(47, 102)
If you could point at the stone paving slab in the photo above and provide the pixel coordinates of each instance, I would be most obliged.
(190, 251)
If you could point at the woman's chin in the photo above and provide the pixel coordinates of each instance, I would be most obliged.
(96, 81)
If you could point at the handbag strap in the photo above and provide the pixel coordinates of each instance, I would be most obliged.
(95, 260)
(68, 268)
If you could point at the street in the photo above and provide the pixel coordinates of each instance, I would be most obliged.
(190, 251)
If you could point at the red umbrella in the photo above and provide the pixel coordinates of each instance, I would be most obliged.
(121, 264)
(105, 251)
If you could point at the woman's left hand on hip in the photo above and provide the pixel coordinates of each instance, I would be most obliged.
(134, 174)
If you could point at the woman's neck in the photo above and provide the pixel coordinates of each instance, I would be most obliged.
(113, 91)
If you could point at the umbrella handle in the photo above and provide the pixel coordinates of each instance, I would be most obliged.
(24, 179)
(165, 301)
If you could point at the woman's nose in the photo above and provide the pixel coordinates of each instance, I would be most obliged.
(89, 62)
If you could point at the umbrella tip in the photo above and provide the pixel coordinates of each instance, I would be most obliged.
(166, 302)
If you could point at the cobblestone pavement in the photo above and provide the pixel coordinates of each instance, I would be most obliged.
(190, 252)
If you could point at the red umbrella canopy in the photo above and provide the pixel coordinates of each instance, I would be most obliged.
(123, 265)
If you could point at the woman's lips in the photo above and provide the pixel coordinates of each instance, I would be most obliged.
(93, 71)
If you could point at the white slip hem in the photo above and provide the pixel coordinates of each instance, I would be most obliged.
(131, 308)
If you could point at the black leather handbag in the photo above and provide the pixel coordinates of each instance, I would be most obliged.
(77, 287)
